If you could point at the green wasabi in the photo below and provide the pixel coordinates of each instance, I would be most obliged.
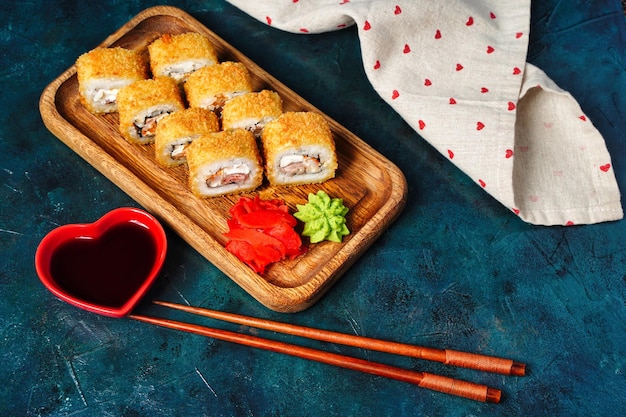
(324, 218)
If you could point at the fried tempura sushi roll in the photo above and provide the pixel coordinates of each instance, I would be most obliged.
(222, 163)
(176, 131)
(177, 56)
(298, 149)
(143, 103)
(102, 72)
(211, 87)
(252, 111)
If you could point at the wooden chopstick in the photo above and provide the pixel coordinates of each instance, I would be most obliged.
(426, 380)
(446, 356)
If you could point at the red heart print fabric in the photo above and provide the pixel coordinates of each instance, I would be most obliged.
(518, 135)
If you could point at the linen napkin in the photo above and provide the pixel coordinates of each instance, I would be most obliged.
(456, 72)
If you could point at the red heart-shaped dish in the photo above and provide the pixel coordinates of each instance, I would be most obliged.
(104, 267)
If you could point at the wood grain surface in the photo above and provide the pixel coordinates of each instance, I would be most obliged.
(372, 187)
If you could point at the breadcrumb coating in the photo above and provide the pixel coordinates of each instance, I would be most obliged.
(294, 129)
(111, 62)
(222, 79)
(144, 97)
(180, 127)
(222, 145)
(107, 69)
(188, 122)
(172, 49)
(213, 152)
(254, 106)
(298, 148)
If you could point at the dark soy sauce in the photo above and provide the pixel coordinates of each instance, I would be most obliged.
(108, 270)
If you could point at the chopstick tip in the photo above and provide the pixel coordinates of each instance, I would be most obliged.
(518, 369)
(493, 395)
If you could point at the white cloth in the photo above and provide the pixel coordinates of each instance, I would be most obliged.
(456, 71)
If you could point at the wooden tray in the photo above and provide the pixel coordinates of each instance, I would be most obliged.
(371, 186)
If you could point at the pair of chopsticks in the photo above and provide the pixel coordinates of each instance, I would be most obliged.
(435, 382)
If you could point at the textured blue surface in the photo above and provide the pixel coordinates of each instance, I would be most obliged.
(456, 270)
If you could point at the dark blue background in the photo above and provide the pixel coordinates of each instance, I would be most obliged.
(456, 270)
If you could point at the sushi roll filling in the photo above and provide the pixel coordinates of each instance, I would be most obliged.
(146, 126)
(104, 96)
(256, 129)
(177, 151)
(180, 70)
(217, 102)
(236, 174)
(298, 164)
(254, 126)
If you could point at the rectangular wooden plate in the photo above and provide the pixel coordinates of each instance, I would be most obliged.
(372, 187)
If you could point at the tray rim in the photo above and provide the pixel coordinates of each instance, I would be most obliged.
(274, 297)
